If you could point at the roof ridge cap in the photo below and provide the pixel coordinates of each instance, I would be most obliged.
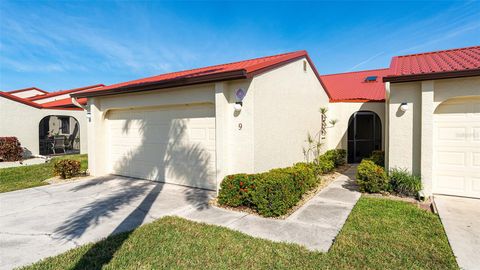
(439, 51)
(350, 72)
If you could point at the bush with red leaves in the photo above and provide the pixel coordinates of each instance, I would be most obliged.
(10, 149)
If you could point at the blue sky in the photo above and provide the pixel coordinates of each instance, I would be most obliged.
(61, 45)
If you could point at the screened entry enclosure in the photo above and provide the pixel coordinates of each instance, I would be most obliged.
(364, 135)
(59, 135)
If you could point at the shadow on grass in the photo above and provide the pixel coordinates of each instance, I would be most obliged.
(102, 252)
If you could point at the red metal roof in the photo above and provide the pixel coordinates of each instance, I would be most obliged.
(352, 87)
(441, 62)
(63, 92)
(64, 103)
(27, 89)
(235, 70)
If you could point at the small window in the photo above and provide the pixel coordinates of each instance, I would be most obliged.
(371, 79)
(65, 125)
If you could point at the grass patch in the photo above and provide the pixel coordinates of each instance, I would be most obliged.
(379, 234)
(33, 175)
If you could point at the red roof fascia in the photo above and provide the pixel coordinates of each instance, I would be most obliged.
(21, 100)
(236, 70)
(352, 87)
(27, 89)
(459, 62)
(63, 92)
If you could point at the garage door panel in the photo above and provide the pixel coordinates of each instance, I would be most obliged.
(172, 144)
(457, 148)
(451, 158)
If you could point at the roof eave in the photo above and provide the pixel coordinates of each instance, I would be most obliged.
(433, 76)
(230, 75)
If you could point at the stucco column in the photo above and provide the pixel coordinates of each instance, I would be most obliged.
(96, 146)
(221, 104)
(426, 167)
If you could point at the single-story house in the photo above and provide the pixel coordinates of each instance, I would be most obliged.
(194, 127)
(45, 123)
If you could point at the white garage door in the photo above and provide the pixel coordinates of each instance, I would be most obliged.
(173, 145)
(457, 148)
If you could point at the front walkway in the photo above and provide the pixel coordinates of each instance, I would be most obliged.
(315, 225)
(44, 221)
(461, 220)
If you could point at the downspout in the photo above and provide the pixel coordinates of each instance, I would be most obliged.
(75, 102)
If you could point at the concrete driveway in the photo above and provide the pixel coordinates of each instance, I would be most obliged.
(461, 220)
(41, 222)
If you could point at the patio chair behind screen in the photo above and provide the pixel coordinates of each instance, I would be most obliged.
(58, 143)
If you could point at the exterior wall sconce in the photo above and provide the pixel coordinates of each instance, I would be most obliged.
(238, 106)
(404, 107)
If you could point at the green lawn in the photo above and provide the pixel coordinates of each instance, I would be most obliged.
(33, 175)
(379, 234)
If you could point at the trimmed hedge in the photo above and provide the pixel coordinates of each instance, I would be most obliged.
(10, 149)
(66, 168)
(371, 177)
(235, 189)
(274, 192)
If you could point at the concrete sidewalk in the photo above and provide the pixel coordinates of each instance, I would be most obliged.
(461, 219)
(44, 221)
(315, 225)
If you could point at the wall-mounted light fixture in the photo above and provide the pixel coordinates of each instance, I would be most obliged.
(238, 106)
(239, 95)
(404, 107)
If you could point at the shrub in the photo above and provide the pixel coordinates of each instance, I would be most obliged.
(235, 189)
(378, 157)
(302, 174)
(403, 182)
(324, 164)
(371, 177)
(66, 168)
(10, 149)
(275, 193)
(338, 156)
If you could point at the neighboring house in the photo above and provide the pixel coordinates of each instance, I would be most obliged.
(194, 127)
(433, 128)
(42, 120)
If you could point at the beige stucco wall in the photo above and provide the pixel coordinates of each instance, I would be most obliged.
(342, 111)
(22, 121)
(411, 133)
(286, 108)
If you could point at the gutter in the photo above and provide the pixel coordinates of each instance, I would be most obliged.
(432, 76)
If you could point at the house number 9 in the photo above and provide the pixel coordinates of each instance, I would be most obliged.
(240, 126)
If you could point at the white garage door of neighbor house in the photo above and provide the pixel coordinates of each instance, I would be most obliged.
(457, 148)
(173, 144)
